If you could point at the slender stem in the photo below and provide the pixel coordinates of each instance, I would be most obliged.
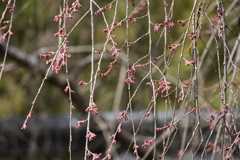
(92, 75)
(9, 35)
(70, 112)
(225, 73)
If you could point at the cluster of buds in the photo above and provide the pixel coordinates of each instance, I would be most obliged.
(82, 83)
(225, 110)
(119, 129)
(135, 147)
(25, 125)
(171, 25)
(188, 63)
(147, 114)
(192, 35)
(163, 128)
(163, 86)
(113, 36)
(117, 24)
(236, 141)
(10, 8)
(59, 60)
(57, 17)
(182, 22)
(101, 10)
(212, 117)
(133, 20)
(104, 74)
(236, 134)
(130, 80)
(108, 156)
(28, 117)
(68, 16)
(173, 47)
(123, 116)
(47, 56)
(92, 108)
(110, 66)
(149, 111)
(110, 39)
(132, 2)
(111, 29)
(140, 7)
(168, 23)
(90, 136)
(219, 15)
(115, 51)
(157, 26)
(94, 155)
(75, 6)
(60, 16)
(181, 94)
(80, 123)
(4, 36)
(112, 137)
(67, 88)
(147, 143)
(133, 70)
(60, 33)
(6, 25)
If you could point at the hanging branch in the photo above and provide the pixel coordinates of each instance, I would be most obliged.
(8, 33)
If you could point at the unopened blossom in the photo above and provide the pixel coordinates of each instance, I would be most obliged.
(80, 123)
(30, 115)
(173, 47)
(90, 136)
(24, 126)
(93, 108)
(147, 143)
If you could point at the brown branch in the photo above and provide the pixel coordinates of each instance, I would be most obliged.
(31, 62)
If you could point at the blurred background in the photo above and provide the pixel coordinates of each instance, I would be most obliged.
(47, 136)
